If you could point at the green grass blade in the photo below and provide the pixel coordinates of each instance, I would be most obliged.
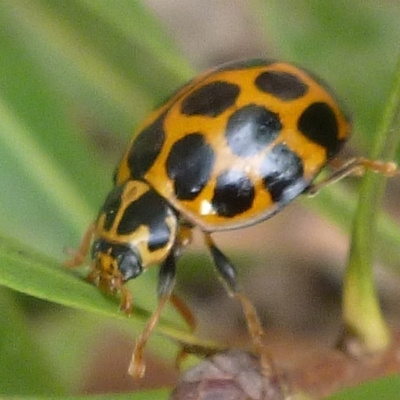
(23, 369)
(387, 388)
(16, 139)
(338, 204)
(99, 62)
(29, 272)
(160, 394)
(141, 29)
(362, 314)
(58, 42)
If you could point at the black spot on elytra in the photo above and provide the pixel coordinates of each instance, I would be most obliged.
(251, 129)
(211, 99)
(282, 172)
(282, 85)
(146, 147)
(150, 210)
(233, 194)
(318, 123)
(189, 165)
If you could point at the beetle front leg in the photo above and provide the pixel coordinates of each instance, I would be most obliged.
(126, 305)
(166, 283)
(79, 256)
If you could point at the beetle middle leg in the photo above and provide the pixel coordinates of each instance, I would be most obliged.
(228, 276)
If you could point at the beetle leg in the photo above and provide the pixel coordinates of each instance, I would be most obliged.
(356, 166)
(166, 283)
(126, 305)
(79, 255)
(190, 320)
(184, 311)
(184, 234)
(228, 276)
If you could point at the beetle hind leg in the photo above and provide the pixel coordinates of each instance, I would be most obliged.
(355, 166)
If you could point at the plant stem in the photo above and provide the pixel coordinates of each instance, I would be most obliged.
(362, 314)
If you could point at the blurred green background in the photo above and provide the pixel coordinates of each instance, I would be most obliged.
(76, 77)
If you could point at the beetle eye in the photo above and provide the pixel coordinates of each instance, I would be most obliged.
(129, 265)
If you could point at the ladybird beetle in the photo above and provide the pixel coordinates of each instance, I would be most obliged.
(229, 149)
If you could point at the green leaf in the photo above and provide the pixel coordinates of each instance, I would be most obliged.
(362, 314)
(29, 272)
(387, 388)
(100, 62)
(28, 160)
(24, 368)
(132, 20)
(160, 394)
